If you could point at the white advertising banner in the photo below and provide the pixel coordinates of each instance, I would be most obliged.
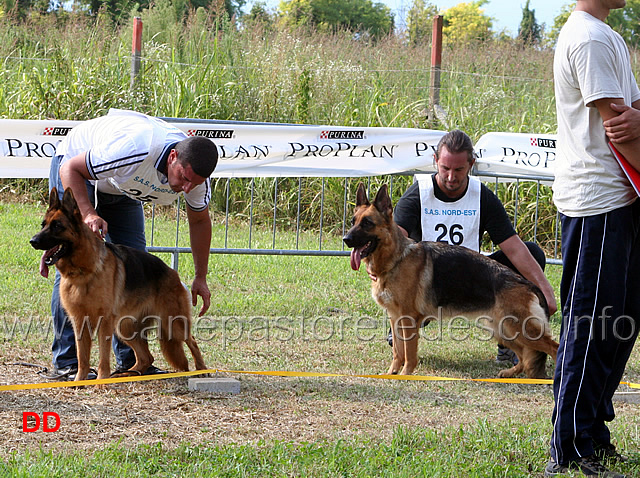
(275, 150)
(517, 154)
(249, 150)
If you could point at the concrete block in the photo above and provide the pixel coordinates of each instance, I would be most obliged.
(627, 397)
(215, 385)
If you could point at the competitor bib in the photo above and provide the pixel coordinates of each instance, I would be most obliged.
(457, 222)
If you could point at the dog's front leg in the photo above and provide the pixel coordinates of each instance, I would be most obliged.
(83, 348)
(105, 333)
(409, 340)
(398, 348)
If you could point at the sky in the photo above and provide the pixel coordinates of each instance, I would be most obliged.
(506, 14)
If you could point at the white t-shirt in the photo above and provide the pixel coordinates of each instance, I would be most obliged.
(591, 62)
(124, 148)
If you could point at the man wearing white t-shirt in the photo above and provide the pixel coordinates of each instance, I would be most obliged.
(600, 218)
(113, 164)
(453, 207)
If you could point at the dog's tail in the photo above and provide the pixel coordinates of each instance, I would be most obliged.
(173, 352)
(175, 332)
(538, 366)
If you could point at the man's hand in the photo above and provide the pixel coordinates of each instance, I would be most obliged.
(200, 288)
(98, 225)
(551, 302)
(624, 127)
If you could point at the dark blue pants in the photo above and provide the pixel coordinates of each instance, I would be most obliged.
(601, 310)
(534, 249)
(125, 218)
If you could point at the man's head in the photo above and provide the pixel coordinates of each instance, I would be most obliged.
(599, 8)
(454, 159)
(191, 162)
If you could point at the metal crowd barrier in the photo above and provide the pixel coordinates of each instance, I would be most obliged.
(264, 236)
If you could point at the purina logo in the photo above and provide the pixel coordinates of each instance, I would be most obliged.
(56, 131)
(342, 134)
(543, 142)
(212, 133)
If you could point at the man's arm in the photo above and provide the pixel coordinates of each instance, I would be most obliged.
(522, 259)
(200, 236)
(74, 174)
(630, 148)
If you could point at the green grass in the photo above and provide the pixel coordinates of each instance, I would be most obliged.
(298, 314)
(483, 450)
(478, 452)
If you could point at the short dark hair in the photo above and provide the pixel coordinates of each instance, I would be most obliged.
(457, 141)
(198, 152)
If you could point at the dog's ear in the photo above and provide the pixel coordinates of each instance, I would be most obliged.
(382, 201)
(54, 201)
(361, 196)
(69, 203)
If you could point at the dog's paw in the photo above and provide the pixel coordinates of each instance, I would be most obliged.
(507, 373)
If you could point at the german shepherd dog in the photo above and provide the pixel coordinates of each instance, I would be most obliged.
(425, 281)
(113, 288)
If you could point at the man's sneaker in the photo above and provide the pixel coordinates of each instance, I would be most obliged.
(68, 374)
(609, 454)
(506, 355)
(589, 466)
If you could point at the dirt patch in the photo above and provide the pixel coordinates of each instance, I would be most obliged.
(268, 408)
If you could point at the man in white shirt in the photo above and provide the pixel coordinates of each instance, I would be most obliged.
(113, 164)
(600, 218)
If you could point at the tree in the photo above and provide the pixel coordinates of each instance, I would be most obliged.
(467, 22)
(626, 22)
(559, 21)
(118, 10)
(420, 21)
(529, 32)
(358, 16)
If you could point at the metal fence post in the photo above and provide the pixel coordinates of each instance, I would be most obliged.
(136, 49)
(436, 62)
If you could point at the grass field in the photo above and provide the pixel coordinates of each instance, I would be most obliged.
(272, 313)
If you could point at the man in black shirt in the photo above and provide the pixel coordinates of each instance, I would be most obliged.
(451, 206)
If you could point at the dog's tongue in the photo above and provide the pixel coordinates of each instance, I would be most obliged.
(356, 258)
(44, 268)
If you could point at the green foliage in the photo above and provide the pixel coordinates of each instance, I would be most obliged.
(161, 25)
(420, 21)
(626, 21)
(260, 17)
(559, 22)
(357, 16)
(529, 32)
(466, 22)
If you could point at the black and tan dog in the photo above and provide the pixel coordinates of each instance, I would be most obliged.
(424, 281)
(114, 289)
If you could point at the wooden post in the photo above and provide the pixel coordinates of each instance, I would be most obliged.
(136, 49)
(436, 61)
